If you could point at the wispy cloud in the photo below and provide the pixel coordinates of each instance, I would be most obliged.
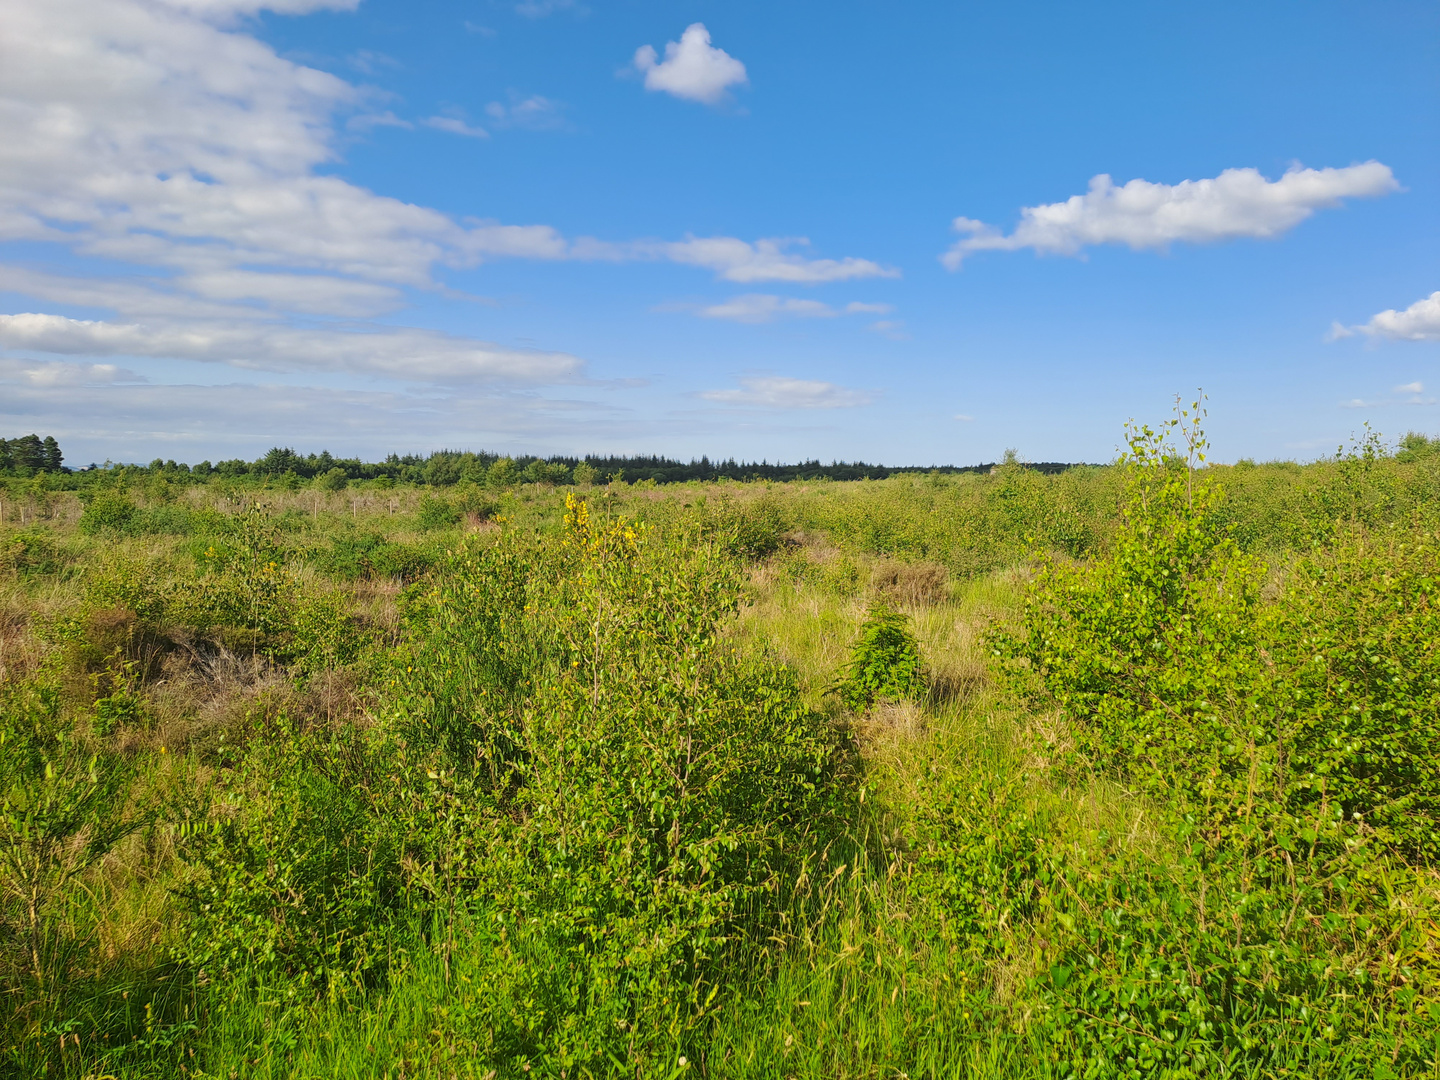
(539, 9)
(455, 125)
(393, 352)
(532, 112)
(98, 411)
(762, 308)
(766, 308)
(780, 392)
(197, 165)
(1141, 214)
(370, 62)
(894, 329)
(692, 69)
(1411, 393)
(764, 260)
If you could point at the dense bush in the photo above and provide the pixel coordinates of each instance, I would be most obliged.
(649, 787)
(110, 511)
(1287, 732)
(1319, 702)
(370, 555)
(295, 879)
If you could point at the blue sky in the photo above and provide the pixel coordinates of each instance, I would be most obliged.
(724, 229)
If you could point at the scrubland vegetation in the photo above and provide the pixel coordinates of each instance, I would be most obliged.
(1117, 772)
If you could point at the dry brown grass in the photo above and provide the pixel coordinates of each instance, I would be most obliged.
(910, 583)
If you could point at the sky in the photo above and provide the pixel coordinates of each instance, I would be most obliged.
(912, 233)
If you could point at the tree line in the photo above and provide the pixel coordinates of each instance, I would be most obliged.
(443, 468)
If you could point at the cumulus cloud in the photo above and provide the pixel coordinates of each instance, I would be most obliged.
(780, 392)
(1416, 387)
(394, 352)
(141, 133)
(1141, 214)
(692, 69)
(1419, 322)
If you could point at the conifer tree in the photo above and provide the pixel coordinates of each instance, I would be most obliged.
(51, 451)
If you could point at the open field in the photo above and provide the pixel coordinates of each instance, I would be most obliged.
(1123, 771)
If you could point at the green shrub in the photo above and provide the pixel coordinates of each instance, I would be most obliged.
(754, 529)
(370, 555)
(437, 513)
(60, 814)
(298, 878)
(634, 790)
(1288, 742)
(33, 554)
(109, 512)
(334, 480)
(885, 662)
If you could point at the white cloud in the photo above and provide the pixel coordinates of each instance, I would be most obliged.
(779, 392)
(1416, 387)
(391, 352)
(1419, 322)
(765, 308)
(223, 9)
(161, 135)
(766, 260)
(318, 294)
(964, 418)
(137, 132)
(692, 69)
(533, 112)
(894, 329)
(1141, 214)
(455, 125)
(762, 308)
(48, 373)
